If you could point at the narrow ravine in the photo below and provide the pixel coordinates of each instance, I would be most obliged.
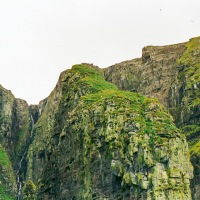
(18, 174)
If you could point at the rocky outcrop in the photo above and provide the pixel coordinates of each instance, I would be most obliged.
(94, 141)
(171, 74)
(151, 75)
(14, 124)
(15, 128)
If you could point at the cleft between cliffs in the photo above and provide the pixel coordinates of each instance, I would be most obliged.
(101, 142)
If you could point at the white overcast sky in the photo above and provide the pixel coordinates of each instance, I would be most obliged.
(41, 38)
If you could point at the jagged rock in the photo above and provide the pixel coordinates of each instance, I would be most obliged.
(95, 141)
(15, 128)
(90, 140)
(171, 74)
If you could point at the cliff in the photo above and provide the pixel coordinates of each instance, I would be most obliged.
(14, 134)
(94, 141)
(113, 133)
(16, 123)
(171, 74)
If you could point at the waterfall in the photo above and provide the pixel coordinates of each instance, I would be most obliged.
(32, 124)
(19, 179)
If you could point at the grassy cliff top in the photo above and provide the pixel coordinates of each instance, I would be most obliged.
(152, 116)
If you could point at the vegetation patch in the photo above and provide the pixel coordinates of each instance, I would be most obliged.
(5, 166)
(195, 150)
(190, 61)
(4, 195)
(4, 159)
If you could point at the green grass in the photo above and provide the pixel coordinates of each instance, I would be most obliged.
(6, 164)
(4, 159)
(85, 69)
(92, 78)
(4, 195)
(99, 88)
(153, 118)
(116, 95)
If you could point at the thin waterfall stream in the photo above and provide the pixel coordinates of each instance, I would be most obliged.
(19, 179)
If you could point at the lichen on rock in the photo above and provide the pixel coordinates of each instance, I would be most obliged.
(171, 74)
(99, 142)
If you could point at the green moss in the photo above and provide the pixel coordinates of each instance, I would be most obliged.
(110, 131)
(195, 150)
(127, 178)
(190, 76)
(195, 102)
(190, 130)
(140, 159)
(190, 60)
(190, 55)
(29, 190)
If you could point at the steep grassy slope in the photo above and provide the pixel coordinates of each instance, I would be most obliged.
(94, 141)
(7, 177)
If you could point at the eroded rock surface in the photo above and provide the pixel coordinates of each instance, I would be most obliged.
(91, 140)
(171, 74)
(94, 141)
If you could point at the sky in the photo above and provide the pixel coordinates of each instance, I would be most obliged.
(41, 38)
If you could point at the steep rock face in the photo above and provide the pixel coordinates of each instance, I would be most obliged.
(151, 75)
(6, 106)
(15, 128)
(188, 114)
(171, 74)
(94, 141)
(14, 124)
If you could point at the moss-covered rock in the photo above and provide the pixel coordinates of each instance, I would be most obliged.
(15, 124)
(95, 141)
(171, 74)
(15, 134)
(29, 190)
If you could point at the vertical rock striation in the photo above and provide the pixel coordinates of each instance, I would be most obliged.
(171, 74)
(94, 141)
(90, 139)
(15, 128)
